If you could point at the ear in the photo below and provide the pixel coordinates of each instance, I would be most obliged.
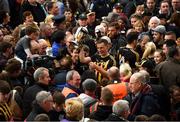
(40, 78)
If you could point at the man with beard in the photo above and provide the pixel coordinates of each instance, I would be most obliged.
(116, 39)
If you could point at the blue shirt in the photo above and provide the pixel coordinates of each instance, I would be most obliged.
(55, 48)
(78, 91)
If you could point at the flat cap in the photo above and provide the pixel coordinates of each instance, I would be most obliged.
(160, 29)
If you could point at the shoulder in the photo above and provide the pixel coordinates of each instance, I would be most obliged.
(71, 95)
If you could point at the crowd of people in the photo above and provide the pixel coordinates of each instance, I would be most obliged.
(89, 60)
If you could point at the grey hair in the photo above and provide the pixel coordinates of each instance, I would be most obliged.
(42, 96)
(69, 75)
(120, 106)
(140, 77)
(146, 75)
(39, 73)
(155, 18)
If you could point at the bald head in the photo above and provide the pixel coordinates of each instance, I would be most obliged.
(138, 76)
(136, 82)
(113, 73)
(34, 47)
(43, 46)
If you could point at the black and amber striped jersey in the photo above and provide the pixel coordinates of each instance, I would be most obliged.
(5, 112)
(104, 62)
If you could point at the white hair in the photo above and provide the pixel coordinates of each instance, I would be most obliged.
(120, 106)
(42, 96)
(140, 77)
(155, 18)
(69, 75)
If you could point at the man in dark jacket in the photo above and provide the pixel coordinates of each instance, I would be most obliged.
(41, 75)
(116, 39)
(15, 12)
(169, 70)
(104, 109)
(43, 104)
(142, 100)
(35, 8)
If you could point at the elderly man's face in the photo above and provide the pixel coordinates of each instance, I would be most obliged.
(45, 78)
(134, 85)
(76, 80)
(48, 104)
(153, 24)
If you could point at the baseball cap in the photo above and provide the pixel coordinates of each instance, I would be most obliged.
(82, 16)
(117, 6)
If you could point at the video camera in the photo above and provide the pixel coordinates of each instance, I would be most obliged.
(40, 61)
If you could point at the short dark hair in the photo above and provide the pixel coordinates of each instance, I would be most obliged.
(131, 37)
(33, 28)
(4, 87)
(4, 46)
(58, 36)
(107, 95)
(164, 1)
(13, 65)
(50, 5)
(58, 98)
(26, 13)
(102, 41)
(114, 24)
(68, 10)
(170, 43)
(66, 62)
(170, 33)
(173, 51)
(136, 16)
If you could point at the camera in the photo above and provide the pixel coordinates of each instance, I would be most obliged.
(40, 61)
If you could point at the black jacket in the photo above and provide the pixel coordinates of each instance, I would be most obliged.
(145, 103)
(37, 109)
(114, 117)
(37, 11)
(30, 95)
(101, 113)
